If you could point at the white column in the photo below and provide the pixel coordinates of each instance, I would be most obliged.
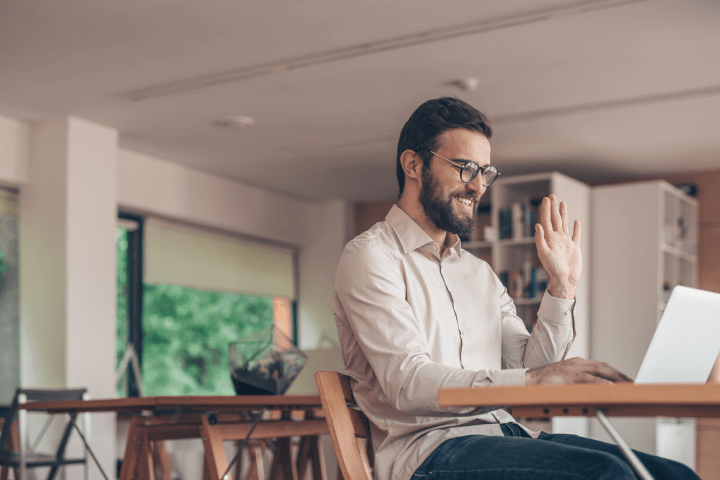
(326, 236)
(68, 211)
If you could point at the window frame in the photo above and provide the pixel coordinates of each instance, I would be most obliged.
(135, 289)
(135, 295)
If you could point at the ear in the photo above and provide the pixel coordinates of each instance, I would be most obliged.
(412, 164)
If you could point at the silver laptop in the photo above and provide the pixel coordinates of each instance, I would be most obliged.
(686, 341)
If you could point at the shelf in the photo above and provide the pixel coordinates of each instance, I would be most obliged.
(689, 257)
(476, 244)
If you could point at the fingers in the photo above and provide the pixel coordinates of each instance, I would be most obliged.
(564, 217)
(576, 233)
(624, 377)
(540, 237)
(603, 370)
(555, 214)
(545, 215)
(588, 378)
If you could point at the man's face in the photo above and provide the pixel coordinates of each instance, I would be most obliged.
(446, 200)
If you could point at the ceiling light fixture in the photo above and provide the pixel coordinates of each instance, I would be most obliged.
(468, 84)
(236, 121)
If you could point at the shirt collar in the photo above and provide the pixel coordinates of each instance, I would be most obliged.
(411, 235)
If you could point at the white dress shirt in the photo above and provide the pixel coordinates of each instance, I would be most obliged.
(412, 322)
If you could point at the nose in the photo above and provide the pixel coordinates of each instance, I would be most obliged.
(476, 185)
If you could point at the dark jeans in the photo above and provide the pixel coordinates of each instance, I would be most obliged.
(551, 456)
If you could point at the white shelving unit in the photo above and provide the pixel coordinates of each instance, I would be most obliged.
(510, 254)
(644, 244)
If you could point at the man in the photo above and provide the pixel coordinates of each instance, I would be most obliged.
(415, 313)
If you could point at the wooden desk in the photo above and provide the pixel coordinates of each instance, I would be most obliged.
(628, 400)
(214, 419)
(594, 400)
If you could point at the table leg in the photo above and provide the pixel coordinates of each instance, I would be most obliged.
(283, 467)
(146, 466)
(256, 471)
(626, 450)
(239, 461)
(257, 455)
(214, 450)
(133, 448)
(160, 457)
(311, 451)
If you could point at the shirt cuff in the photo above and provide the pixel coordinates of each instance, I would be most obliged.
(556, 310)
(514, 377)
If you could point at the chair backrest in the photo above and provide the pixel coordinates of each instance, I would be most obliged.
(346, 425)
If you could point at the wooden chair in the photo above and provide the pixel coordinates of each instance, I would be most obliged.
(347, 425)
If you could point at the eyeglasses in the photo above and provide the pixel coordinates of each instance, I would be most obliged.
(469, 170)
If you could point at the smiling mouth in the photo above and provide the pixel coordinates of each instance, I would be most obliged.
(466, 202)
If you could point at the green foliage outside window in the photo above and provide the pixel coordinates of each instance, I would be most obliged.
(187, 332)
(186, 337)
(121, 323)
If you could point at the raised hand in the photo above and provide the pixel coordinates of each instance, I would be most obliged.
(559, 253)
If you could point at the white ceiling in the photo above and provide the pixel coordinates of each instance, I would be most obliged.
(592, 88)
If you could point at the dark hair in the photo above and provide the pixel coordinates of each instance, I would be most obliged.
(432, 119)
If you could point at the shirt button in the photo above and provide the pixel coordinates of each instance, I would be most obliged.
(434, 247)
(567, 313)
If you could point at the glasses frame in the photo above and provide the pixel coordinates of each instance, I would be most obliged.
(464, 167)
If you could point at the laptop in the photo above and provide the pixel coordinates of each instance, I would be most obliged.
(686, 341)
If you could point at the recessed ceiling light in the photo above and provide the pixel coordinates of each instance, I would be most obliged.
(236, 121)
(468, 84)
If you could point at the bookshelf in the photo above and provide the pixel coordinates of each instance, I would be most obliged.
(513, 254)
(507, 255)
(633, 276)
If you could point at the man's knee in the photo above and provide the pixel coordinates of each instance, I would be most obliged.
(604, 466)
(611, 466)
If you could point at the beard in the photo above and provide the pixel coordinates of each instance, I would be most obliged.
(440, 211)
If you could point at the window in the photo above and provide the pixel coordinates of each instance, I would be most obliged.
(9, 297)
(200, 291)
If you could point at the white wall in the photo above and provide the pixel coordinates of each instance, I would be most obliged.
(151, 185)
(14, 151)
(326, 235)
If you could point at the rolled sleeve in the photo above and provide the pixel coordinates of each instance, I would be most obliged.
(553, 334)
(509, 378)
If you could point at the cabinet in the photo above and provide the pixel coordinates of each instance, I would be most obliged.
(644, 244)
(517, 253)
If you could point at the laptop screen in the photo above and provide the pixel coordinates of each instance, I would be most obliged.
(686, 341)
